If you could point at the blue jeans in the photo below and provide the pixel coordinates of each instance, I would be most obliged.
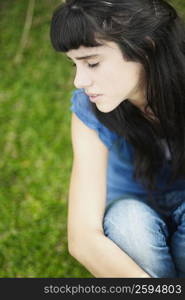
(153, 236)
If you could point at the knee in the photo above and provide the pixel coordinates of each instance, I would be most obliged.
(139, 231)
(132, 218)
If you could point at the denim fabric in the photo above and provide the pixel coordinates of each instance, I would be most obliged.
(154, 239)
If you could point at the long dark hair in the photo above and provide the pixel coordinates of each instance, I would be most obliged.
(152, 33)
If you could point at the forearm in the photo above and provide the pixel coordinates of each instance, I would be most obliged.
(103, 258)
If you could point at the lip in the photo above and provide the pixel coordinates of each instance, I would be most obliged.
(94, 97)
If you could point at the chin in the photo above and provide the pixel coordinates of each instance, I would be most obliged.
(104, 110)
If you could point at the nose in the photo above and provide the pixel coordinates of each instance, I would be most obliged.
(82, 79)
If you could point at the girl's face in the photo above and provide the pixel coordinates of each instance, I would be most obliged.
(104, 72)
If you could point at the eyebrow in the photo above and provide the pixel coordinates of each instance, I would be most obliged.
(84, 57)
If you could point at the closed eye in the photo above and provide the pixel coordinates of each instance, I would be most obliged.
(89, 65)
(93, 65)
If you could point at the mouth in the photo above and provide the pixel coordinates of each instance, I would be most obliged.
(94, 97)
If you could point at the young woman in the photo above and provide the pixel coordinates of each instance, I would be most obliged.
(126, 214)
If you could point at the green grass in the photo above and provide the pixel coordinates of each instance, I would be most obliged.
(36, 152)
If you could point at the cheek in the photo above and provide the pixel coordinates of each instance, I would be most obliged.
(118, 78)
(110, 78)
(115, 74)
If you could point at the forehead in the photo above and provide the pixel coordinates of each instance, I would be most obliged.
(82, 51)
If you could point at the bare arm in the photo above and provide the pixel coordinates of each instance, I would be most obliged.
(87, 194)
(103, 258)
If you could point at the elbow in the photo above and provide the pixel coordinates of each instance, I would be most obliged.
(80, 244)
(75, 247)
(72, 248)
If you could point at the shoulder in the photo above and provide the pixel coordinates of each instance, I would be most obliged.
(81, 106)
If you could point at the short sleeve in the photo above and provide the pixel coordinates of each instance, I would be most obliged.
(81, 106)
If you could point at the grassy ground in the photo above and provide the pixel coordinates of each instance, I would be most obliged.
(36, 154)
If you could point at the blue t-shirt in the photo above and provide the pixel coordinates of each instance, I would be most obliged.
(120, 169)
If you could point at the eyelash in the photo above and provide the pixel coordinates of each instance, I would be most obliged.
(89, 65)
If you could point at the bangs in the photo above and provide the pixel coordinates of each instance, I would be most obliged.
(72, 28)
